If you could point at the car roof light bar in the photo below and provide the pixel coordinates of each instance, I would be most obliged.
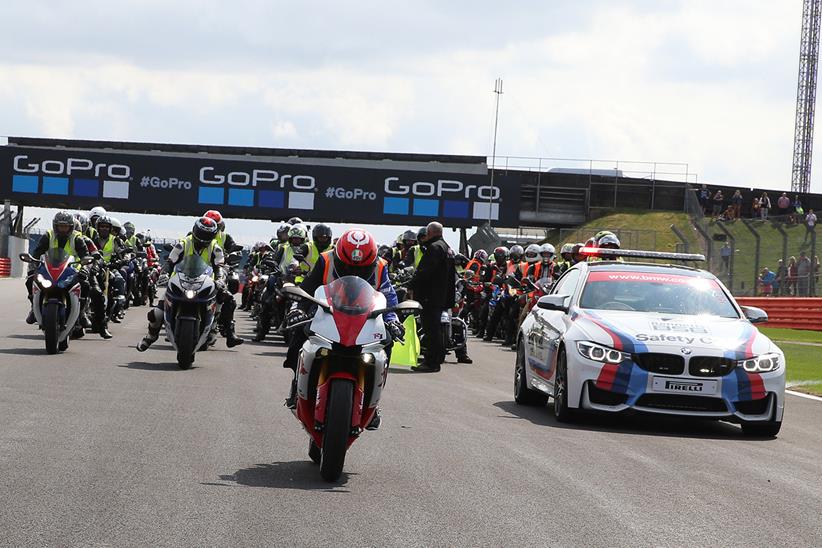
(640, 254)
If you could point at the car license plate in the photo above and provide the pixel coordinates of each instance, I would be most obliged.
(684, 386)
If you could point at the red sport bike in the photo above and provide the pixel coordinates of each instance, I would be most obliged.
(342, 367)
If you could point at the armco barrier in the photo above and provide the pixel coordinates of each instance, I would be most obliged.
(793, 313)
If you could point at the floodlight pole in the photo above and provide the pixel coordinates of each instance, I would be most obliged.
(498, 93)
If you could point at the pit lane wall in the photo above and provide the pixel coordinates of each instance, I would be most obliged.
(793, 313)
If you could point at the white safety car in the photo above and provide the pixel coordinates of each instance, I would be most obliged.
(614, 336)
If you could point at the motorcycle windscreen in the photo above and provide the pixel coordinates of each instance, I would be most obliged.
(56, 260)
(193, 267)
(352, 299)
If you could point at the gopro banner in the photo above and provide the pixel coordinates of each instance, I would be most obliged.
(254, 187)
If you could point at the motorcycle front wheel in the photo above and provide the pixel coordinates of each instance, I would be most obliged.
(186, 339)
(337, 429)
(51, 326)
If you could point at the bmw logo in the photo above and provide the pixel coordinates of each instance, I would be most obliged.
(685, 351)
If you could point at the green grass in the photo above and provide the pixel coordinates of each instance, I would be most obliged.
(798, 335)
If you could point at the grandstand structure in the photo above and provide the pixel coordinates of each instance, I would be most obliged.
(806, 96)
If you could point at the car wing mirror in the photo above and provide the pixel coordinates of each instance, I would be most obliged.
(754, 314)
(558, 303)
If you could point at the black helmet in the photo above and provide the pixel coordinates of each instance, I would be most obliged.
(321, 231)
(104, 221)
(409, 236)
(83, 219)
(204, 231)
(294, 221)
(500, 254)
(282, 232)
(460, 260)
(385, 252)
(129, 229)
(421, 234)
(63, 223)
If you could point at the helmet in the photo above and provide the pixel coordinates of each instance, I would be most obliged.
(297, 233)
(409, 236)
(116, 226)
(321, 231)
(63, 223)
(130, 229)
(547, 252)
(575, 252)
(217, 216)
(566, 249)
(481, 255)
(96, 213)
(294, 221)
(104, 220)
(355, 254)
(532, 253)
(460, 260)
(590, 242)
(282, 232)
(500, 254)
(602, 233)
(385, 252)
(421, 234)
(609, 241)
(140, 237)
(204, 231)
(77, 226)
(516, 253)
(83, 220)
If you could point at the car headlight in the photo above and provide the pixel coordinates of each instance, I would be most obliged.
(599, 353)
(43, 281)
(760, 364)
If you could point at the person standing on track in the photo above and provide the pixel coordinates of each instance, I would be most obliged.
(434, 287)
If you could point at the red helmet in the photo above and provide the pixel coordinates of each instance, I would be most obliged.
(355, 254)
(217, 216)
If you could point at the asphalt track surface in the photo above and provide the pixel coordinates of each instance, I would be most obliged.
(103, 446)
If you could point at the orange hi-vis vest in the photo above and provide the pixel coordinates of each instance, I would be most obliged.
(329, 275)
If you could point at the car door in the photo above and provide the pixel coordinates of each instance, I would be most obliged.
(548, 328)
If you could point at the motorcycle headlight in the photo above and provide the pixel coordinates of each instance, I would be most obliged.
(43, 281)
(599, 353)
(190, 293)
(760, 364)
(367, 358)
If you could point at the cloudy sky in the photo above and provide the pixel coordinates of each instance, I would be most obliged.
(707, 83)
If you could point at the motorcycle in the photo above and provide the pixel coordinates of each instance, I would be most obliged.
(190, 307)
(56, 296)
(342, 367)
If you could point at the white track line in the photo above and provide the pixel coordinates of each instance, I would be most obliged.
(802, 395)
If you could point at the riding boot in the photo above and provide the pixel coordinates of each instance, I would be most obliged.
(291, 402)
(148, 340)
(31, 319)
(103, 330)
(231, 339)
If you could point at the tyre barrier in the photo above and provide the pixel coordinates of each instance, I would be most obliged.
(5, 267)
(789, 312)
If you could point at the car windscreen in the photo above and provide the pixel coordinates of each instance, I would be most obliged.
(656, 292)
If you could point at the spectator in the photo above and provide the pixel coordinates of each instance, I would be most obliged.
(704, 196)
(726, 253)
(784, 204)
(781, 283)
(755, 208)
(798, 210)
(766, 282)
(764, 206)
(810, 223)
(803, 273)
(736, 204)
(792, 276)
(718, 200)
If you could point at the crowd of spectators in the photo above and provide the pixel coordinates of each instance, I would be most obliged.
(717, 206)
(793, 279)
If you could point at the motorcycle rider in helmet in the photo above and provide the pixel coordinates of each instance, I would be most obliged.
(608, 240)
(508, 305)
(225, 295)
(321, 236)
(111, 248)
(62, 235)
(489, 277)
(295, 248)
(477, 263)
(282, 236)
(354, 255)
(413, 255)
(566, 262)
(93, 215)
(202, 240)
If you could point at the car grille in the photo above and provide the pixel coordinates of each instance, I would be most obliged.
(605, 397)
(675, 402)
(669, 364)
(710, 366)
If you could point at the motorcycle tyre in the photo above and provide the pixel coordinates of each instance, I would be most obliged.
(51, 326)
(186, 341)
(314, 452)
(337, 429)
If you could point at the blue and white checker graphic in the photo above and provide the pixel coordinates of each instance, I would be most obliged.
(246, 197)
(451, 209)
(63, 186)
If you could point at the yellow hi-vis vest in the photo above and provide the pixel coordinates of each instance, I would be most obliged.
(69, 247)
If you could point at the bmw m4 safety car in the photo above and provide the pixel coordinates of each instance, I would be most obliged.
(614, 336)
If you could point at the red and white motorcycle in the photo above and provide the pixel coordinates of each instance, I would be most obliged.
(342, 367)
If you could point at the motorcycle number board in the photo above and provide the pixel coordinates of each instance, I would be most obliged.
(670, 385)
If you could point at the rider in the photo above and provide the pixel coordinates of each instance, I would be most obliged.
(111, 249)
(201, 241)
(607, 240)
(566, 262)
(93, 216)
(508, 305)
(62, 235)
(225, 296)
(354, 255)
(282, 236)
(321, 236)
(414, 254)
(408, 240)
(477, 263)
(293, 248)
(489, 276)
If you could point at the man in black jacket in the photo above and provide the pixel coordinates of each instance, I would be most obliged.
(434, 286)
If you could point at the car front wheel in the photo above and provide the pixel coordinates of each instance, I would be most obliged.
(561, 410)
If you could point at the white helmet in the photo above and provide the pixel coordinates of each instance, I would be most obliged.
(96, 213)
(532, 253)
(547, 251)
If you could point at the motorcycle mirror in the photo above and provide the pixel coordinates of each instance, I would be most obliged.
(168, 247)
(408, 305)
(88, 259)
(233, 258)
(294, 291)
(26, 258)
